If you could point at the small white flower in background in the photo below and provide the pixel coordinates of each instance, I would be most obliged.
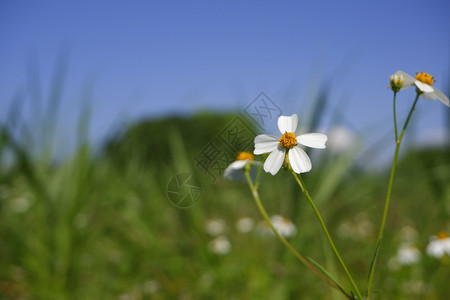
(215, 227)
(235, 170)
(423, 82)
(415, 287)
(289, 142)
(439, 245)
(245, 225)
(408, 234)
(220, 245)
(283, 225)
(151, 287)
(407, 255)
(340, 138)
(124, 297)
(206, 281)
(359, 229)
(20, 205)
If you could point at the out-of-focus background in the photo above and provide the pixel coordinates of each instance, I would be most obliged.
(107, 107)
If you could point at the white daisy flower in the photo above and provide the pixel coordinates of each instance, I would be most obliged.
(423, 82)
(235, 170)
(283, 225)
(439, 245)
(289, 142)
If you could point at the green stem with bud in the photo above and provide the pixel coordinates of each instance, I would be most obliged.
(398, 141)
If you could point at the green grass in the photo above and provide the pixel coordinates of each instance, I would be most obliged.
(99, 224)
(86, 228)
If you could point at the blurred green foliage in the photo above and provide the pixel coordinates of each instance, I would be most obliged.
(102, 227)
(149, 141)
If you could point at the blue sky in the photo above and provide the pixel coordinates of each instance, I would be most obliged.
(133, 59)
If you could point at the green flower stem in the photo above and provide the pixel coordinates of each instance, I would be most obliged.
(398, 141)
(258, 174)
(302, 185)
(261, 208)
(395, 117)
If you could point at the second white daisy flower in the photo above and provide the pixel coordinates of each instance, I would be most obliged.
(423, 82)
(289, 142)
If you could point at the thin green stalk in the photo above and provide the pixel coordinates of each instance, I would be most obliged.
(258, 174)
(395, 116)
(261, 208)
(302, 185)
(398, 141)
(409, 115)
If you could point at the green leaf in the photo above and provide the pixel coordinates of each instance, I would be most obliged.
(328, 275)
(372, 267)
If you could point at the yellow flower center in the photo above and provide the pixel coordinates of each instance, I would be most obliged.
(442, 235)
(288, 140)
(245, 155)
(425, 78)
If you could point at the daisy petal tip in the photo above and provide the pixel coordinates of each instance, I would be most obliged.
(287, 123)
(299, 160)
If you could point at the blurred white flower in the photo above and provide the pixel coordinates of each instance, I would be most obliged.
(206, 280)
(289, 142)
(439, 245)
(235, 170)
(408, 234)
(215, 227)
(359, 229)
(151, 287)
(220, 245)
(283, 225)
(124, 297)
(245, 225)
(340, 138)
(423, 82)
(346, 230)
(20, 205)
(407, 254)
(415, 287)
(364, 227)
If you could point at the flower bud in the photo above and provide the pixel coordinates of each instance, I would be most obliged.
(397, 82)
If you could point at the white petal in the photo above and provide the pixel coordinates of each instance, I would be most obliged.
(299, 160)
(274, 161)
(436, 95)
(409, 80)
(313, 140)
(265, 143)
(233, 171)
(233, 174)
(287, 123)
(239, 164)
(424, 87)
